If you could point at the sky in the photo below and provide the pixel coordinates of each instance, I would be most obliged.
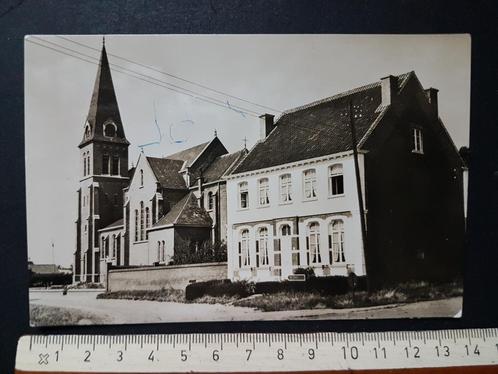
(274, 71)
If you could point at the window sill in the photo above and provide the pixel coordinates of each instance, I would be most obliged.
(285, 203)
(242, 209)
(417, 152)
(310, 199)
(263, 206)
(140, 241)
(336, 196)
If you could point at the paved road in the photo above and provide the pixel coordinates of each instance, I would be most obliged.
(130, 311)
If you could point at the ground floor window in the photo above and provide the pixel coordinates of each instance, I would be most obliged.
(262, 247)
(313, 244)
(336, 242)
(244, 255)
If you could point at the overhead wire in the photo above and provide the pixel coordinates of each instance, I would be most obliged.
(148, 79)
(173, 75)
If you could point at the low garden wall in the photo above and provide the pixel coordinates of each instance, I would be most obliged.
(158, 277)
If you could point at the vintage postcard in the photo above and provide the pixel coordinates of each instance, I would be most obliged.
(245, 177)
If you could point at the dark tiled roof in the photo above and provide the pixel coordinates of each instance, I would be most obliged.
(104, 106)
(166, 172)
(317, 129)
(186, 213)
(116, 224)
(189, 154)
(221, 165)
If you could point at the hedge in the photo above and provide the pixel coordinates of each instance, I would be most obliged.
(49, 279)
(217, 288)
(334, 285)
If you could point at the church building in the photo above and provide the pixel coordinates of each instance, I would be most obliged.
(138, 216)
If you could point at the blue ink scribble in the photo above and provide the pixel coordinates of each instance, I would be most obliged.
(182, 123)
(157, 142)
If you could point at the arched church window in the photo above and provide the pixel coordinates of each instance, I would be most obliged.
(110, 130)
(141, 178)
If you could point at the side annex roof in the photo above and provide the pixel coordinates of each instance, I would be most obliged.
(185, 213)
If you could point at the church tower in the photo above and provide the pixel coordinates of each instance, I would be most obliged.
(103, 173)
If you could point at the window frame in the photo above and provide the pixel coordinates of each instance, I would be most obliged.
(244, 249)
(262, 250)
(113, 126)
(210, 201)
(263, 192)
(335, 175)
(312, 181)
(285, 188)
(136, 225)
(336, 242)
(418, 140)
(313, 234)
(243, 188)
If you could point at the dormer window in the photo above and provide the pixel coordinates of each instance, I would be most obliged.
(110, 130)
(418, 141)
(87, 132)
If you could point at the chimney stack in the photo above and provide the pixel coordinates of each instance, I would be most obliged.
(266, 125)
(389, 86)
(432, 97)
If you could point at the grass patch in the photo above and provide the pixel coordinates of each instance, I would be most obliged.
(42, 315)
(403, 293)
(172, 295)
(295, 300)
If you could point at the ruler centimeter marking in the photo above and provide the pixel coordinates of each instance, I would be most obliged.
(257, 352)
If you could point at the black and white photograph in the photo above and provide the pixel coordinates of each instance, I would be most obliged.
(192, 178)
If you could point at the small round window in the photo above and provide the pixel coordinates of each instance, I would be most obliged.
(110, 130)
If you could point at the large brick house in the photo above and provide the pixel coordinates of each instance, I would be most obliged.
(367, 181)
(139, 216)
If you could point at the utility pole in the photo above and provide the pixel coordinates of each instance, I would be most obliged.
(358, 188)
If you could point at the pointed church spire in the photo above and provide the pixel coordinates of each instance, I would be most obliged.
(103, 106)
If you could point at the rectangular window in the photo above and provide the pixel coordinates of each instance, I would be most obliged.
(263, 192)
(336, 242)
(136, 225)
(310, 184)
(285, 188)
(336, 180)
(115, 166)
(418, 143)
(313, 244)
(243, 195)
(105, 164)
(244, 255)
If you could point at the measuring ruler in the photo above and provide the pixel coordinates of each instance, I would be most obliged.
(448, 351)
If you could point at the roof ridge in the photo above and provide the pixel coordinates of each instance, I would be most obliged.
(341, 95)
(183, 207)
